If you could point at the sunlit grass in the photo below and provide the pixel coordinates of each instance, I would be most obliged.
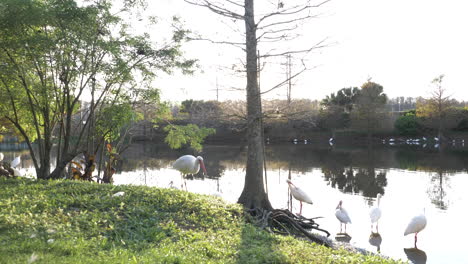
(77, 222)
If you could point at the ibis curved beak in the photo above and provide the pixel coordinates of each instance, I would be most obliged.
(202, 165)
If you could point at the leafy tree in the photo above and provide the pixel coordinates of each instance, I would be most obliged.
(190, 134)
(368, 111)
(61, 63)
(335, 112)
(344, 99)
(408, 124)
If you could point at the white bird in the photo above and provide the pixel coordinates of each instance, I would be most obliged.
(1, 156)
(298, 194)
(118, 194)
(330, 140)
(375, 213)
(416, 225)
(17, 173)
(436, 138)
(15, 162)
(342, 216)
(188, 164)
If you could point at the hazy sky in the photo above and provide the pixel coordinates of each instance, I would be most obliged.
(401, 44)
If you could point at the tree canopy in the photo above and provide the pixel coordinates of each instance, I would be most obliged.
(62, 62)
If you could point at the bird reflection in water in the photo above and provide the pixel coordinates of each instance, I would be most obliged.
(343, 237)
(416, 255)
(375, 239)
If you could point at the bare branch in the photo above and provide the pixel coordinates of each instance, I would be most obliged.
(240, 45)
(220, 10)
(320, 44)
(290, 11)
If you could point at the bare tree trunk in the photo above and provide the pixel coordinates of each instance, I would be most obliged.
(253, 194)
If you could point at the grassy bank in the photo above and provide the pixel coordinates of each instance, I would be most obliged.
(76, 222)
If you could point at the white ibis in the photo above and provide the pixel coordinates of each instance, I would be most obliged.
(17, 173)
(416, 225)
(15, 162)
(375, 213)
(342, 216)
(298, 194)
(188, 164)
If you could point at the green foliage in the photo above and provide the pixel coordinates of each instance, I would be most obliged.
(344, 99)
(80, 222)
(55, 53)
(368, 113)
(113, 118)
(408, 124)
(190, 134)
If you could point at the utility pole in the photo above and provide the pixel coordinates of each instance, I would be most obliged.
(217, 87)
(288, 78)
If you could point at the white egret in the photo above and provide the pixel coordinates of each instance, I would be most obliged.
(188, 164)
(375, 213)
(342, 216)
(416, 225)
(1, 156)
(298, 194)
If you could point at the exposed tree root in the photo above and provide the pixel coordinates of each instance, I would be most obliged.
(282, 221)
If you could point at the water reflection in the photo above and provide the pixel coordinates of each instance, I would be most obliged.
(438, 190)
(416, 255)
(365, 180)
(375, 239)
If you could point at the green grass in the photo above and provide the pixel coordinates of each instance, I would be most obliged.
(78, 222)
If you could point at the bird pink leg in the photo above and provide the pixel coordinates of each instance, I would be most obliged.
(377, 227)
(415, 238)
(300, 210)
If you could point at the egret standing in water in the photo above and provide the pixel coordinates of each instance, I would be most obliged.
(416, 225)
(298, 194)
(188, 164)
(342, 216)
(375, 213)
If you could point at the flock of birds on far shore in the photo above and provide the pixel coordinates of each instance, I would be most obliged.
(392, 141)
(189, 164)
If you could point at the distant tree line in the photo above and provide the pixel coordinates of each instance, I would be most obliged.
(365, 109)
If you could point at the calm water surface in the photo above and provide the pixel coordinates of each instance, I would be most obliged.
(412, 179)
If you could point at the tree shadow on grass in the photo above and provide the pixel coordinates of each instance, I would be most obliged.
(258, 246)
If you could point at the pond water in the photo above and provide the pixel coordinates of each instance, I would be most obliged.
(411, 179)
